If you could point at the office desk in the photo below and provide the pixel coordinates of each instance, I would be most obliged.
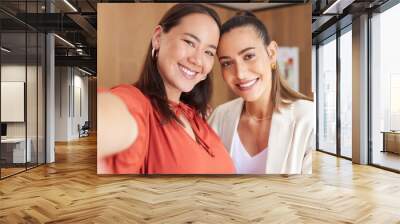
(391, 141)
(15, 148)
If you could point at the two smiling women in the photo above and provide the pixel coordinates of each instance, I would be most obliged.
(162, 117)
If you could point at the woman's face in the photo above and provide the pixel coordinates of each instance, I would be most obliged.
(246, 63)
(186, 52)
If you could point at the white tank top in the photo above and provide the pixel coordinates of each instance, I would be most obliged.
(244, 163)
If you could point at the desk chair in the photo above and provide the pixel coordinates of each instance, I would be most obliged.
(84, 130)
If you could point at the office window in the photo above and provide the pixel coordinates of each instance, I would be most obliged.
(314, 79)
(327, 96)
(346, 93)
(313, 69)
(385, 88)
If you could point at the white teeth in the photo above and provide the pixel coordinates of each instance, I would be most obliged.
(248, 84)
(187, 71)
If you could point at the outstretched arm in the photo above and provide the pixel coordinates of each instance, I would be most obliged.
(117, 128)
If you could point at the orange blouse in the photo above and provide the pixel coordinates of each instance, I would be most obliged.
(167, 148)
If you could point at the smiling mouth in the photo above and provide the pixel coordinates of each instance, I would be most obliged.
(247, 85)
(186, 72)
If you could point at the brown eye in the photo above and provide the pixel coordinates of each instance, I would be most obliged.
(210, 53)
(225, 64)
(190, 43)
(249, 56)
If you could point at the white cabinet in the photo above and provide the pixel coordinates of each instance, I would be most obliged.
(17, 146)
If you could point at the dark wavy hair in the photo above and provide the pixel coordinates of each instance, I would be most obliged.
(281, 92)
(150, 81)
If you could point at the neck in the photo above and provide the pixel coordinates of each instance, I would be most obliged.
(261, 108)
(173, 94)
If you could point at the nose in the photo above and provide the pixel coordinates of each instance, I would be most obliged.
(240, 70)
(195, 58)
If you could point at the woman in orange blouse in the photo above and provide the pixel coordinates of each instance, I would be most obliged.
(157, 125)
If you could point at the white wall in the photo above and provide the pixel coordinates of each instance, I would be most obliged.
(79, 117)
(33, 127)
(70, 83)
(62, 80)
(16, 73)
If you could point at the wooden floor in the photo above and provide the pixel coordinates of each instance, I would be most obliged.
(10, 171)
(5, 172)
(69, 191)
(387, 159)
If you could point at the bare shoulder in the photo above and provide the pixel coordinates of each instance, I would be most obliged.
(133, 98)
(130, 91)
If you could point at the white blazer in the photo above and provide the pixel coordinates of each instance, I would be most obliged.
(291, 139)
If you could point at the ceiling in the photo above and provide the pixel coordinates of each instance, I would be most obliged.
(333, 15)
(76, 24)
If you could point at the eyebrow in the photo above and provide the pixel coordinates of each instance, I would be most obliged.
(198, 40)
(246, 49)
(240, 52)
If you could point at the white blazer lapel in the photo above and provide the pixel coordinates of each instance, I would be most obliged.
(231, 122)
(280, 140)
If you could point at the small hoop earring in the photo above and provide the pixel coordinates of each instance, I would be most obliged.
(273, 66)
(153, 53)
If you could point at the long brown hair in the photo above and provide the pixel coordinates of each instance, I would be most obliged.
(150, 81)
(281, 92)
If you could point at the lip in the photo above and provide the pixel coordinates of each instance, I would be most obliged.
(187, 72)
(247, 85)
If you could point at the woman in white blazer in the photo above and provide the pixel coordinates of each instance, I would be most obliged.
(269, 129)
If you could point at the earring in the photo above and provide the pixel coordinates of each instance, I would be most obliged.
(273, 66)
(153, 50)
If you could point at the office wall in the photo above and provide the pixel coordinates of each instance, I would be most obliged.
(33, 126)
(71, 102)
(62, 81)
(92, 107)
(80, 105)
(16, 72)
(291, 26)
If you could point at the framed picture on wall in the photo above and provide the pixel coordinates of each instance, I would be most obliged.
(12, 101)
(288, 64)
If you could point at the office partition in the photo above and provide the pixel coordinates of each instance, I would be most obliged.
(22, 88)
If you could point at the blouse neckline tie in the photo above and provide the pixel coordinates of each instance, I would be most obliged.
(189, 113)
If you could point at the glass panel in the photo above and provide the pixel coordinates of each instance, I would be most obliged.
(327, 97)
(41, 98)
(23, 89)
(13, 87)
(31, 101)
(313, 69)
(346, 94)
(385, 86)
(314, 79)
